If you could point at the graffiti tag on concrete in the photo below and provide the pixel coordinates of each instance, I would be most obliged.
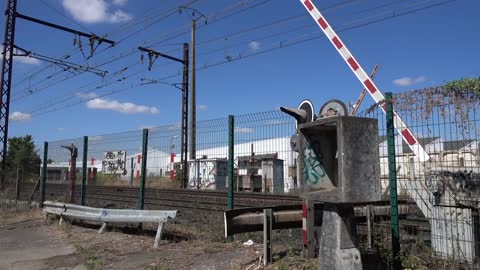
(315, 175)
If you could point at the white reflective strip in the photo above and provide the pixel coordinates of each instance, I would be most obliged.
(345, 54)
(330, 34)
(399, 124)
(362, 76)
(377, 96)
(420, 152)
(304, 224)
(315, 14)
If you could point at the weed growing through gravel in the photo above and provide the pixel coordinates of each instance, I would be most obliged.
(89, 260)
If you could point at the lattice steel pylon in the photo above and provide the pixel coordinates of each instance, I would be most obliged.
(6, 81)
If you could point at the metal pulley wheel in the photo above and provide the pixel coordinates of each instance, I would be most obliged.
(307, 106)
(333, 107)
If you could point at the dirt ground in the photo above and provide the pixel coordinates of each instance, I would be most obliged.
(29, 242)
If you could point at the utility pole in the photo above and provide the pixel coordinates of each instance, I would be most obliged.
(185, 115)
(193, 101)
(152, 56)
(193, 83)
(11, 15)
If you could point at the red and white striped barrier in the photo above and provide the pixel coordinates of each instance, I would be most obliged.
(360, 73)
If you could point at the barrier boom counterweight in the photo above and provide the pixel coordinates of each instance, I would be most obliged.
(360, 73)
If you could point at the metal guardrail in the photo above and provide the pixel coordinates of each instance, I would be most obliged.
(73, 211)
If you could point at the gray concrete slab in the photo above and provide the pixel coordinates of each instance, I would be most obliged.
(31, 247)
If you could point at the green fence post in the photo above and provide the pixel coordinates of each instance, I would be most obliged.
(231, 129)
(44, 174)
(144, 168)
(84, 170)
(392, 172)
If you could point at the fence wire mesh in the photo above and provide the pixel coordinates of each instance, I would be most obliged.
(62, 166)
(444, 190)
(263, 157)
(439, 199)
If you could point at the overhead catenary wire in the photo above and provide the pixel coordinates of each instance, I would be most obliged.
(65, 16)
(398, 14)
(315, 35)
(30, 92)
(185, 28)
(301, 41)
(28, 77)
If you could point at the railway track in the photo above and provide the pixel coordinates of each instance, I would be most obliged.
(120, 196)
(205, 200)
(155, 198)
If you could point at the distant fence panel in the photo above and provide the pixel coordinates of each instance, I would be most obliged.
(60, 168)
(209, 170)
(263, 156)
(110, 159)
(163, 151)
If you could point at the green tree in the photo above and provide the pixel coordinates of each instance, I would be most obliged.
(21, 154)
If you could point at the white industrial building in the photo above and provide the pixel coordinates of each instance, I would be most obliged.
(448, 155)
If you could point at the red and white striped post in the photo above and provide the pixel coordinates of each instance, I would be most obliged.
(308, 228)
(363, 77)
(304, 225)
(92, 162)
(139, 160)
(172, 160)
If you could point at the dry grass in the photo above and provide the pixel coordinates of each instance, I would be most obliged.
(12, 211)
(14, 215)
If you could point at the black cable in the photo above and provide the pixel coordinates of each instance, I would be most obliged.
(65, 16)
(29, 77)
(134, 51)
(394, 15)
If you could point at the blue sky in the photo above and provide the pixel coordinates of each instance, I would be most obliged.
(271, 64)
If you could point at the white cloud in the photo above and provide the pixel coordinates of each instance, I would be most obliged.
(408, 81)
(145, 126)
(119, 16)
(84, 95)
(175, 126)
(27, 60)
(274, 122)
(95, 138)
(120, 2)
(243, 130)
(95, 11)
(20, 117)
(254, 45)
(202, 107)
(123, 107)
(60, 129)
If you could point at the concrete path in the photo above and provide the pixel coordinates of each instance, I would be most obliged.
(30, 246)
